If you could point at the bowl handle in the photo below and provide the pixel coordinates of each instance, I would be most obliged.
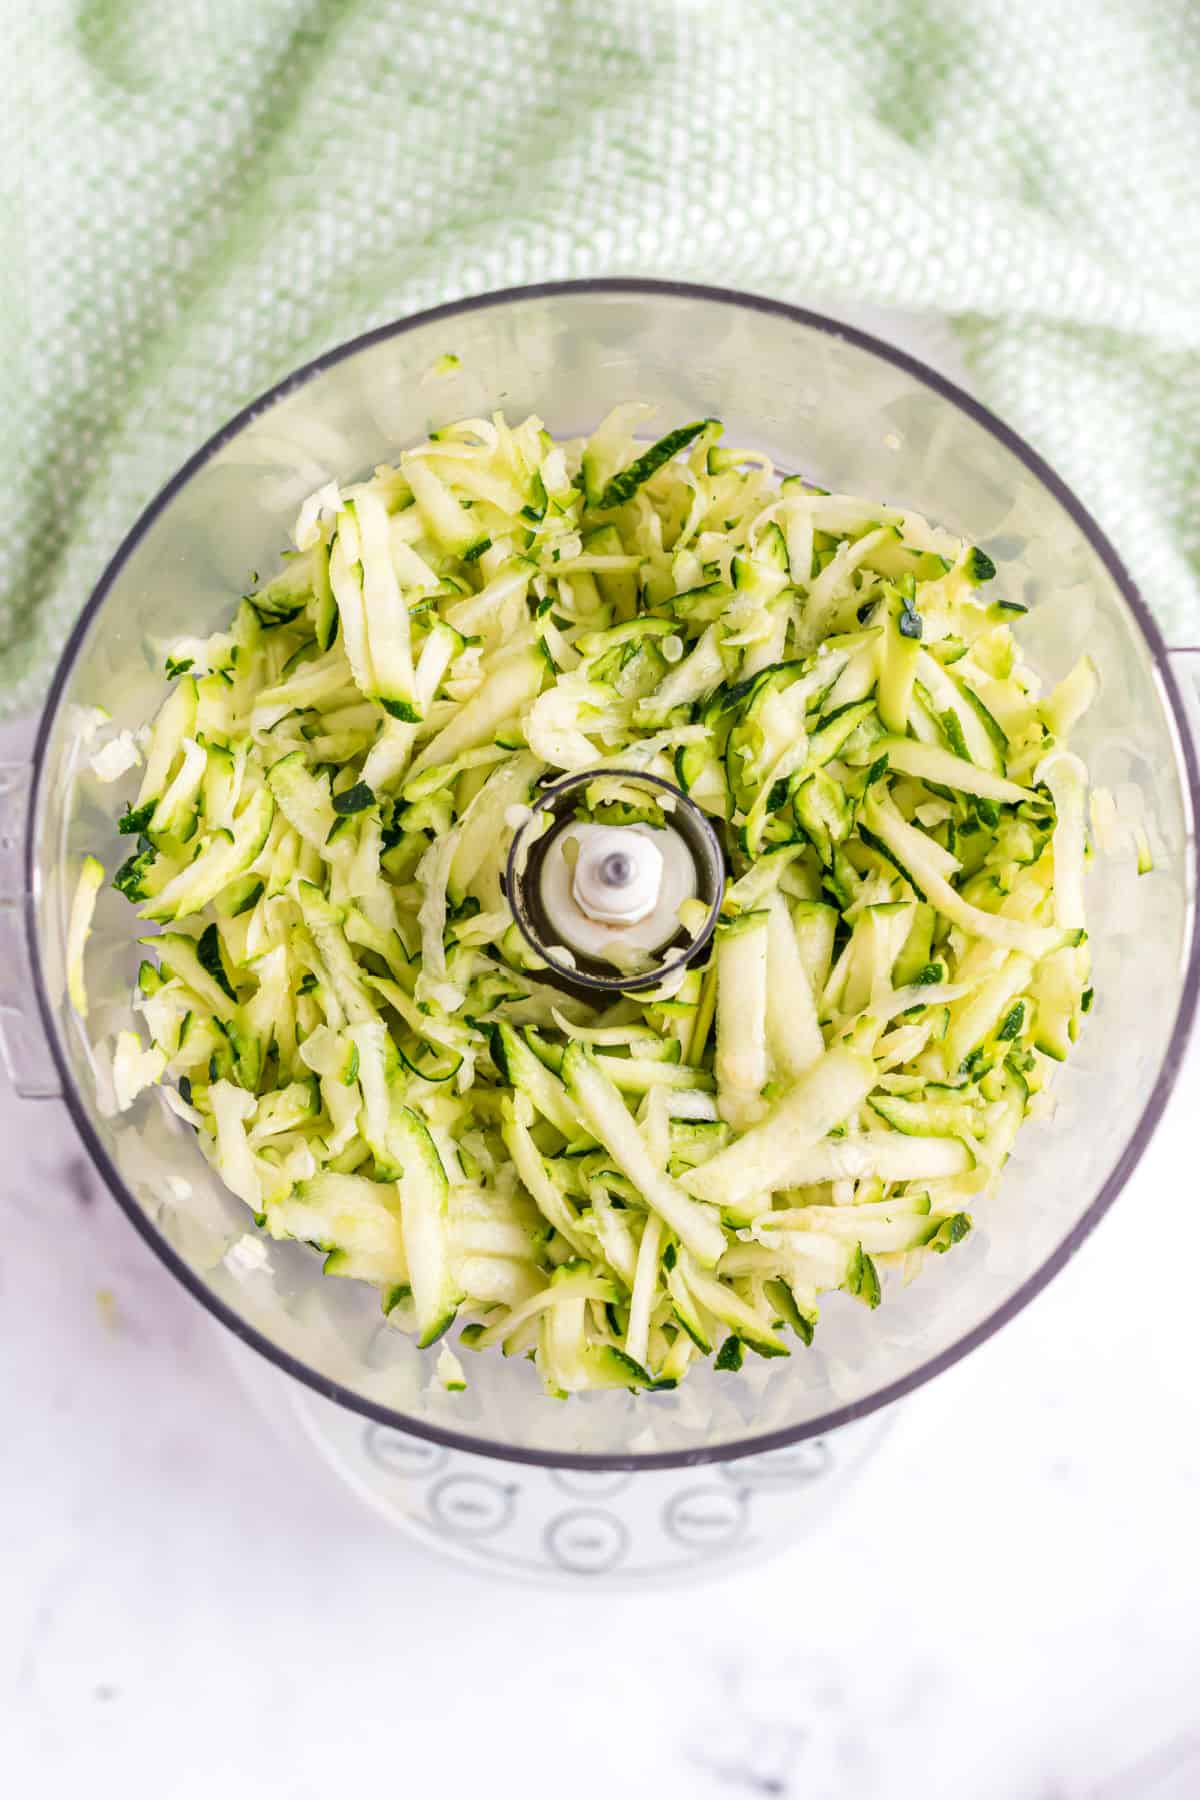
(1185, 666)
(23, 1047)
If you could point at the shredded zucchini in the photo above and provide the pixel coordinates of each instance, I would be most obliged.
(79, 928)
(358, 1034)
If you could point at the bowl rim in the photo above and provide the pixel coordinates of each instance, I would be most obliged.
(763, 1442)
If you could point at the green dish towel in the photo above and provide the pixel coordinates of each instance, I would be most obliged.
(197, 196)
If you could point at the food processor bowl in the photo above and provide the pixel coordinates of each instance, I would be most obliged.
(852, 414)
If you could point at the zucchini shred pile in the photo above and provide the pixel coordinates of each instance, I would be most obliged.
(341, 1006)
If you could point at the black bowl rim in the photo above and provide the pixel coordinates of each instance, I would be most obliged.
(763, 1442)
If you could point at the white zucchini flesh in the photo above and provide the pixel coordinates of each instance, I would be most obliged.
(741, 1061)
(134, 1068)
(793, 1032)
(388, 634)
(513, 682)
(1063, 708)
(947, 770)
(645, 1283)
(392, 751)
(1066, 778)
(179, 799)
(175, 722)
(762, 1158)
(450, 1371)
(578, 1284)
(425, 1219)
(79, 929)
(345, 575)
(886, 1154)
(718, 1298)
(485, 826)
(356, 1221)
(232, 1107)
(980, 1012)
(913, 850)
(219, 862)
(607, 1116)
(540, 1185)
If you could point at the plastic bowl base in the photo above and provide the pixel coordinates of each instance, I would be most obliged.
(563, 1525)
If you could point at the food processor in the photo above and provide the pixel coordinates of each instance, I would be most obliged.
(611, 1485)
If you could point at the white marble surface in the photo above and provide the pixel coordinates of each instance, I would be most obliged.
(1007, 1606)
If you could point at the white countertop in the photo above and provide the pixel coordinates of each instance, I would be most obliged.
(1006, 1607)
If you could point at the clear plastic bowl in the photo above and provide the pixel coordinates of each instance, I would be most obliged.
(854, 415)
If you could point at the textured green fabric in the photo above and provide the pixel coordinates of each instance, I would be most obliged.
(195, 195)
